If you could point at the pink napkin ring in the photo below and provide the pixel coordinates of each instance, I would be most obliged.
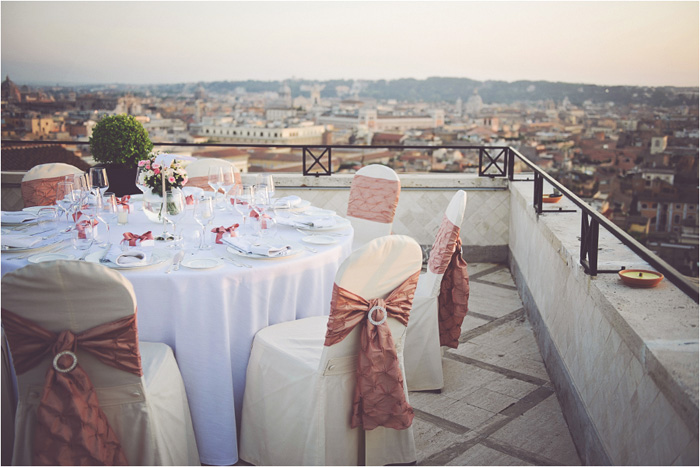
(80, 226)
(220, 231)
(133, 239)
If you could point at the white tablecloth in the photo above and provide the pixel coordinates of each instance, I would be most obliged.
(209, 318)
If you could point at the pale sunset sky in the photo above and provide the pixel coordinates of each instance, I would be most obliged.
(606, 43)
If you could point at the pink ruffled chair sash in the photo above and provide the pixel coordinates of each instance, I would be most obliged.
(71, 428)
(379, 398)
(40, 192)
(373, 199)
(453, 301)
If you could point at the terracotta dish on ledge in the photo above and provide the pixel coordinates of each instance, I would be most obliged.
(551, 198)
(640, 277)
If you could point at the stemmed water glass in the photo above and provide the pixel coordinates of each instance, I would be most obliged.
(140, 178)
(65, 198)
(267, 182)
(204, 215)
(108, 212)
(228, 180)
(216, 178)
(98, 182)
(177, 208)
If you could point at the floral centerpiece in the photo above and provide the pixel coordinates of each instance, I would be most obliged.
(152, 173)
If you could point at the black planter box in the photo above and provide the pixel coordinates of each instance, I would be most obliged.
(121, 181)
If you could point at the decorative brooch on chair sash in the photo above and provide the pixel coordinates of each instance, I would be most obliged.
(379, 398)
(71, 428)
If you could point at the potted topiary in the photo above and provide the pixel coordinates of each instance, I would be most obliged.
(118, 143)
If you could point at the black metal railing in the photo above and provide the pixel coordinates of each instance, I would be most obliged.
(493, 161)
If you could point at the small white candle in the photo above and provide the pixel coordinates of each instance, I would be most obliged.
(123, 217)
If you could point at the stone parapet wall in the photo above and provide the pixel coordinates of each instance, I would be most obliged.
(624, 361)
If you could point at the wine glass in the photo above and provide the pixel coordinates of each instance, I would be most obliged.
(65, 198)
(98, 182)
(204, 215)
(216, 178)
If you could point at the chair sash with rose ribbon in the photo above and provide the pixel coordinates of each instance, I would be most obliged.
(133, 238)
(220, 231)
(379, 398)
(40, 191)
(71, 428)
(453, 300)
(203, 181)
(373, 199)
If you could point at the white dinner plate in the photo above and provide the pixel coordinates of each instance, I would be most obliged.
(340, 223)
(202, 263)
(320, 239)
(157, 257)
(303, 205)
(35, 209)
(42, 257)
(291, 252)
(314, 211)
(39, 246)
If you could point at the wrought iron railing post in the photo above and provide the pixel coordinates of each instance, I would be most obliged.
(511, 164)
(325, 170)
(589, 244)
(537, 193)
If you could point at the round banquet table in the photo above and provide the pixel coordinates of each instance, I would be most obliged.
(210, 316)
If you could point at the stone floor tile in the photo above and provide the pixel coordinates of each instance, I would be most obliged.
(472, 322)
(462, 413)
(492, 301)
(482, 455)
(489, 400)
(511, 387)
(502, 276)
(431, 439)
(541, 431)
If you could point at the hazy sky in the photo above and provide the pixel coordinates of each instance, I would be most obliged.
(607, 43)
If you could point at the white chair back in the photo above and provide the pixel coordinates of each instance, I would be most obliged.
(198, 171)
(77, 296)
(454, 216)
(374, 196)
(372, 271)
(55, 169)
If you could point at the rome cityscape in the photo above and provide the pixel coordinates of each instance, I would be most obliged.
(631, 152)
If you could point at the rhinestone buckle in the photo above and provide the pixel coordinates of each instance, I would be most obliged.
(61, 354)
(371, 311)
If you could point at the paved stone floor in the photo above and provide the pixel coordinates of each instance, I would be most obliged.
(498, 406)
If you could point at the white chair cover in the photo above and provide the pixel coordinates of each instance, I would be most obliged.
(298, 396)
(39, 183)
(149, 414)
(198, 171)
(423, 355)
(374, 195)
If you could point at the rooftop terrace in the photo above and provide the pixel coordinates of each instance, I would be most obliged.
(559, 361)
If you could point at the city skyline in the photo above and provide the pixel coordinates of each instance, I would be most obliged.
(603, 43)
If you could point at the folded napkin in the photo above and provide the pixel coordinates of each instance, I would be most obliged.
(288, 201)
(17, 217)
(19, 241)
(129, 257)
(246, 246)
(308, 221)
